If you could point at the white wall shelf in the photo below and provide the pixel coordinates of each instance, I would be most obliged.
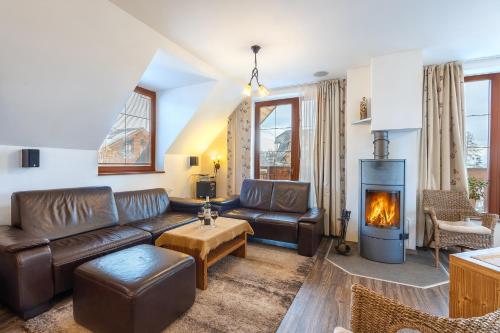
(363, 121)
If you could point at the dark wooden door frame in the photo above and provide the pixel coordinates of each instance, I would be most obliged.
(295, 163)
(494, 158)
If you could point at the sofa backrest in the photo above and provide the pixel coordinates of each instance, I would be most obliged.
(256, 194)
(60, 213)
(290, 197)
(143, 204)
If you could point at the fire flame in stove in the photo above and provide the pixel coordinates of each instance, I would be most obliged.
(382, 209)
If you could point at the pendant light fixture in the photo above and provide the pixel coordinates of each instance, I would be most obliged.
(255, 74)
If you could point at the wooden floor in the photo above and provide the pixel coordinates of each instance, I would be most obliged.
(323, 302)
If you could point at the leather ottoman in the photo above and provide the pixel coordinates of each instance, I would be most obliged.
(140, 289)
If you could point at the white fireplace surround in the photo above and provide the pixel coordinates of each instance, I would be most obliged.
(393, 86)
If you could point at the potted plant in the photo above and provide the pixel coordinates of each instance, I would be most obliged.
(476, 189)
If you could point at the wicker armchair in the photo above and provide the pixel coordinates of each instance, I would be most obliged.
(453, 206)
(374, 313)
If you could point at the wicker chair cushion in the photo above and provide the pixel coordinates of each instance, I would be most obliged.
(463, 227)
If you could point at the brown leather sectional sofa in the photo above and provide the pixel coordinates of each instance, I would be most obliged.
(278, 210)
(54, 231)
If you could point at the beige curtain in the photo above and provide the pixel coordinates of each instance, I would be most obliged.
(442, 163)
(238, 146)
(329, 163)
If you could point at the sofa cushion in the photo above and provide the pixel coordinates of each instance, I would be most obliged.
(277, 226)
(256, 194)
(60, 213)
(290, 197)
(139, 205)
(243, 213)
(158, 225)
(70, 252)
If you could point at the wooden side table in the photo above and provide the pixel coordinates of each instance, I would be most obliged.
(474, 284)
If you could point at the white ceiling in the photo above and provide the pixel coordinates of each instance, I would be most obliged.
(300, 37)
(167, 71)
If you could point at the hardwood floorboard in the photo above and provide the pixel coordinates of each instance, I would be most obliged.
(324, 300)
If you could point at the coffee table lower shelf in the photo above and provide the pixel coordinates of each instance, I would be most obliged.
(237, 247)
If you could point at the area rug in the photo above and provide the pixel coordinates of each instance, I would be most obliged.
(417, 271)
(243, 295)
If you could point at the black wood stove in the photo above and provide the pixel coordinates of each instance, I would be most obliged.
(381, 218)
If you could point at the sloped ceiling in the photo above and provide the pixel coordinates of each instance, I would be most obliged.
(166, 71)
(67, 68)
(301, 37)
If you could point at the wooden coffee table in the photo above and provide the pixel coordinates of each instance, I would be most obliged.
(208, 245)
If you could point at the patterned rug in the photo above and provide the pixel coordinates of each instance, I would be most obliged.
(243, 295)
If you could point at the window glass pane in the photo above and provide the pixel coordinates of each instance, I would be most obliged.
(477, 97)
(275, 141)
(267, 140)
(267, 117)
(477, 131)
(129, 140)
(284, 116)
(267, 158)
(113, 148)
(477, 158)
(137, 141)
(139, 105)
(283, 139)
(477, 125)
(283, 158)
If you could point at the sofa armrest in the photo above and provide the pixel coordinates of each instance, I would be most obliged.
(186, 205)
(25, 271)
(224, 204)
(313, 215)
(13, 240)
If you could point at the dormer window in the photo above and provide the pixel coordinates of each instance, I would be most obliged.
(130, 145)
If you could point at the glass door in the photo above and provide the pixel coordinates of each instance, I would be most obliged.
(277, 139)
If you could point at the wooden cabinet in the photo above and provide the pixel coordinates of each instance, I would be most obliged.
(474, 284)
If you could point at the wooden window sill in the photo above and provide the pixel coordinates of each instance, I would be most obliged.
(118, 173)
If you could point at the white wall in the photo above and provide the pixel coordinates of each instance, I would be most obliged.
(404, 144)
(396, 91)
(60, 168)
(175, 109)
(358, 142)
(68, 68)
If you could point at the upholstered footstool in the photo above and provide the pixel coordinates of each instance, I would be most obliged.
(140, 289)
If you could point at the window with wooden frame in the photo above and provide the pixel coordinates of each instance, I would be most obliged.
(482, 127)
(277, 139)
(130, 145)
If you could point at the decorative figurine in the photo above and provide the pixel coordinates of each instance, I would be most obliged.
(363, 109)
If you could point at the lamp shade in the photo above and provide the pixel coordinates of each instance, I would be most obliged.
(248, 90)
(263, 90)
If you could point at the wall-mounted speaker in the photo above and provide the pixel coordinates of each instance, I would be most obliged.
(30, 158)
(193, 161)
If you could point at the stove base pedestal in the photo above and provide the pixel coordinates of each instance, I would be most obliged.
(390, 251)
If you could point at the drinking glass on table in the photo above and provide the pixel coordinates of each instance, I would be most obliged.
(201, 216)
(214, 214)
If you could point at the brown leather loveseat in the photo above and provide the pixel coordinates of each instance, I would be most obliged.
(279, 211)
(54, 231)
